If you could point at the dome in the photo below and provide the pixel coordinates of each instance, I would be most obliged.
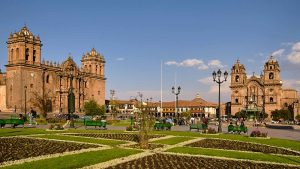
(92, 54)
(272, 63)
(238, 65)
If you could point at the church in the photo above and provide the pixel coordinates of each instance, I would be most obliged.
(261, 94)
(28, 78)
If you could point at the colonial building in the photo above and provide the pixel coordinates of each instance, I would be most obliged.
(197, 107)
(28, 77)
(264, 93)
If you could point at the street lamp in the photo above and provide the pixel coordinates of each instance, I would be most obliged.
(217, 78)
(176, 105)
(262, 115)
(25, 92)
(71, 100)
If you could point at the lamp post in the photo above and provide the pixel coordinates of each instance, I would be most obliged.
(71, 100)
(25, 93)
(217, 78)
(262, 116)
(176, 104)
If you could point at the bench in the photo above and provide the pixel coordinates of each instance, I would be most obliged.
(13, 122)
(237, 129)
(95, 123)
(198, 126)
(162, 126)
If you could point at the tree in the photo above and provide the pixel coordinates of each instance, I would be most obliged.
(297, 117)
(186, 114)
(282, 114)
(43, 103)
(147, 123)
(92, 108)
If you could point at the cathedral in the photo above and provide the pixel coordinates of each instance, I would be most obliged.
(28, 78)
(261, 94)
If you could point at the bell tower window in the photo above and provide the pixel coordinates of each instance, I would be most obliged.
(26, 54)
(236, 100)
(271, 75)
(33, 57)
(11, 54)
(271, 100)
(237, 78)
(47, 79)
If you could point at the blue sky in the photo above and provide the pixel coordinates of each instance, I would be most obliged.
(192, 38)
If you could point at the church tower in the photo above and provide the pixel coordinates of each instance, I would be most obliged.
(23, 69)
(272, 84)
(24, 47)
(93, 66)
(238, 81)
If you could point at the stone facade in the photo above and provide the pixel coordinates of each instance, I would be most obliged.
(27, 76)
(264, 93)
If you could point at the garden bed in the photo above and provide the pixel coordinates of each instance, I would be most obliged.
(16, 148)
(242, 146)
(151, 146)
(186, 162)
(116, 136)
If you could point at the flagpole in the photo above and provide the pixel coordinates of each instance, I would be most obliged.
(161, 62)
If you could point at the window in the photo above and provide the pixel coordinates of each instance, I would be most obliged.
(31, 85)
(90, 68)
(33, 57)
(26, 54)
(236, 100)
(237, 78)
(17, 53)
(271, 100)
(271, 75)
(286, 105)
(96, 69)
(47, 79)
(98, 92)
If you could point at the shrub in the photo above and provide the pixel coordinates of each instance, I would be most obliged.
(56, 127)
(257, 133)
(210, 131)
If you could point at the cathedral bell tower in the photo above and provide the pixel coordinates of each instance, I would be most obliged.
(238, 74)
(271, 74)
(238, 81)
(24, 47)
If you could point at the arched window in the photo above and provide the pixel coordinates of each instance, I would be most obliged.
(271, 67)
(33, 56)
(17, 53)
(96, 69)
(271, 75)
(47, 79)
(236, 100)
(271, 100)
(237, 78)
(26, 54)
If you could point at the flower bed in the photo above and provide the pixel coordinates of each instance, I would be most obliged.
(242, 146)
(151, 146)
(16, 148)
(185, 162)
(117, 136)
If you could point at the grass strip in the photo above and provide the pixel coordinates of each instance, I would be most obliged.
(237, 155)
(290, 144)
(173, 140)
(83, 139)
(77, 160)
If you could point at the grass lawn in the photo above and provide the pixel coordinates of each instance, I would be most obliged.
(77, 160)
(237, 155)
(83, 139)
(172, 141)
(291, 144)
(121, 123)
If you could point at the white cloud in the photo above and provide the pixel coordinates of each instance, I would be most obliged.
(120, 59)
(191, 62)
(215, 63)
(278, 53)
(294, 56)
(251, 60)
(201, 65)
(169, 63)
